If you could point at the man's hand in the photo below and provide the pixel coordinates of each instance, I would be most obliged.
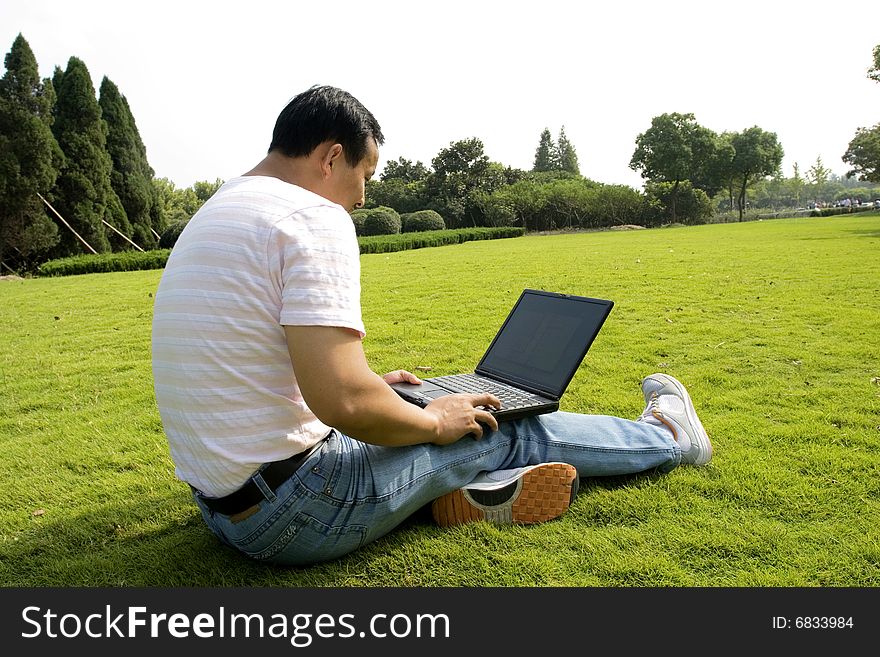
(461, 414)
(458, 415)
(338, 386)
(401, 376)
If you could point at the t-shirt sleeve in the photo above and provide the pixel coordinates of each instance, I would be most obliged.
(315, 257)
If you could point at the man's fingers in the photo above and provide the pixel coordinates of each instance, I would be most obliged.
(484, 404)
(479, 429)
(409, 377)
(487, 399)
(487, 421)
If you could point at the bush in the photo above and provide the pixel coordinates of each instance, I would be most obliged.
(405, 241)
(420, 221)
(169, 236)
(379, 221)
(135, 260)
(830, 212)
(692, 206)
(105, 262)
(357, 217)
(563, 203)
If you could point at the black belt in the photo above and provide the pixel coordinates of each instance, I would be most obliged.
(274, 474)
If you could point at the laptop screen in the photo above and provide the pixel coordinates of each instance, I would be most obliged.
(543, 340)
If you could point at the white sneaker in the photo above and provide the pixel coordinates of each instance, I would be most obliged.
(523, 496)
(669, 405)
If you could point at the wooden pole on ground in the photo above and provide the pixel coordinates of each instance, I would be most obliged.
(121, 235)
(9, 268)
(88, 246)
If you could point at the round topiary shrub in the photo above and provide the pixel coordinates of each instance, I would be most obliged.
(169, 236)
(380, 221)
(357, 217)
(415, 222)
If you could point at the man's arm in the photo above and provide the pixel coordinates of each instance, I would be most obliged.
(339, 387)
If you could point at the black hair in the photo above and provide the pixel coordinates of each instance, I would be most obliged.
(324, 113)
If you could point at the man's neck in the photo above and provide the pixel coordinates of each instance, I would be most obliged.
(294, 170)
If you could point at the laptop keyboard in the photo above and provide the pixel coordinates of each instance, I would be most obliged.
(473, 383)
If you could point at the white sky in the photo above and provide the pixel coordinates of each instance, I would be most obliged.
(206, 80)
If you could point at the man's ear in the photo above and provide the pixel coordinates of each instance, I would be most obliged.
(331, 157)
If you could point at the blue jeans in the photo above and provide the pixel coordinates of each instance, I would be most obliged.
(348, 493)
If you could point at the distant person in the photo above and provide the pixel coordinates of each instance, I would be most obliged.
(295, 450)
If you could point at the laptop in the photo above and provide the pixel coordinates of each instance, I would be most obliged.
(532, 358)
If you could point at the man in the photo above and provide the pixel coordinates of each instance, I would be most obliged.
(295, 450)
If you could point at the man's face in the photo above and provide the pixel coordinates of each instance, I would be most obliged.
(348, 181)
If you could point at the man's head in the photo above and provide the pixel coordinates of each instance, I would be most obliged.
(333, 127)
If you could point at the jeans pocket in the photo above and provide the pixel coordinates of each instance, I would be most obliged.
(304, 540)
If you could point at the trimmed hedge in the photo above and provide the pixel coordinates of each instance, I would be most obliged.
(404, 241)
(136, 260)
(105, 262)
(830, 212)
(415, 222)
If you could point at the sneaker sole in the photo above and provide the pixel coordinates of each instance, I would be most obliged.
(542, 494)
(703, 436)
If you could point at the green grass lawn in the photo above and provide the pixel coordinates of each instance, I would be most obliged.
(774, 327)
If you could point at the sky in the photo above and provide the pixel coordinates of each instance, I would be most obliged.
(206, 80)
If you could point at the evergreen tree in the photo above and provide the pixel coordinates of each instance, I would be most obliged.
(566, 157)
(796, 184)
(131, 177)
(83, 194)
(818, 174)
(29, 156)
(545, 156)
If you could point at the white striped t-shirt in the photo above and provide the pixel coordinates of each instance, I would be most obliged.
(259, 255)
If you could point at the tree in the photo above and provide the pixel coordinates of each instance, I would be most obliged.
(131, 176)
(545, 156)
(179, 205)
(796, 185)
(676, 148)
(83, 193)
(863, 154)
(725, 167)
(401, 186)
(205, 190)
(712, 159)
(460, 173)
(874, 71)
(818, 174)
(29, 155)
(555, 156)
(396, 193)
(405, 170)
(758, 155)
(566, 157)
(693, 205)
